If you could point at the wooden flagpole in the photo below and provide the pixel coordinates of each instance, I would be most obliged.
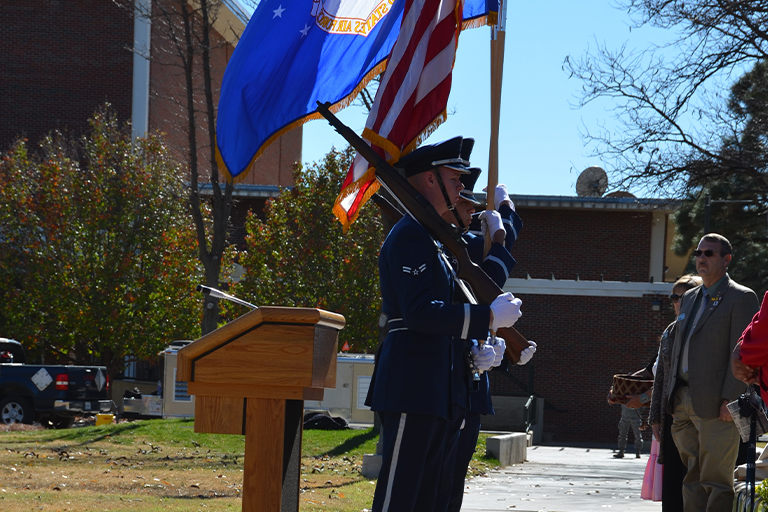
(497, 71)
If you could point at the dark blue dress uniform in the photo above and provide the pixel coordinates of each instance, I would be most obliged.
(412, 387)
(497, 264)
(513, 224)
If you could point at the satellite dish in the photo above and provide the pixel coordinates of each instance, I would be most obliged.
(592, 182)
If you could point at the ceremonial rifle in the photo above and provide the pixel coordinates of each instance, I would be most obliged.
(484, 288)
(388, 208)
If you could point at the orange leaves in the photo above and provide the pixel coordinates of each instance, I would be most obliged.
(105, 266)
(299, 256)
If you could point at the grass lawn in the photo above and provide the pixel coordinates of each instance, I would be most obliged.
(162, 465)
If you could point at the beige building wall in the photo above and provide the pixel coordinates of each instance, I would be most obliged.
(675, 264)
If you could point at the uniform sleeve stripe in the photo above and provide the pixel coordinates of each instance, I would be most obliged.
(508, 222)
(393, 465)
(498, 262)
(465, 328)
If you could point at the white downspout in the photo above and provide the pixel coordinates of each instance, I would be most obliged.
(142, 25)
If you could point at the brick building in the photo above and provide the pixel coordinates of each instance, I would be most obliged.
(594, 275)
(62, 60)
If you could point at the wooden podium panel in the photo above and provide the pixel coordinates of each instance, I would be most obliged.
(263, 455)
(251, 377)
(219, 414)
(267, 347)
(269, 355)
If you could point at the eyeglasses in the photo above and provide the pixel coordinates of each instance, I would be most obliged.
(675, 298)
(708, 253)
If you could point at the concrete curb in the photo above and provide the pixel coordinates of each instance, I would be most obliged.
(508, 448)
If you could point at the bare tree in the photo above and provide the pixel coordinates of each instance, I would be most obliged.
(184, 39)
(368, 94)
(675, 128)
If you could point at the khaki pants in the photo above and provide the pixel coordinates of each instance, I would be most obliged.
(708, 448)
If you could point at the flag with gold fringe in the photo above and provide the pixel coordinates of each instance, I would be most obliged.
(295, 53)
(412, 96)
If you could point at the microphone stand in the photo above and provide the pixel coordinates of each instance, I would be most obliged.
(213, 292)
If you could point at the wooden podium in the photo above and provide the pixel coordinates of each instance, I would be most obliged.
(251, 377)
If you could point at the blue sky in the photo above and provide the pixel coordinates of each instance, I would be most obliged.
(541, 150)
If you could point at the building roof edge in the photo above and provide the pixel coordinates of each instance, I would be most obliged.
(592, 203)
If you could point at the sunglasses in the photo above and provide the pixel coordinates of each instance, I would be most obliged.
(708, 253)
(675, 298)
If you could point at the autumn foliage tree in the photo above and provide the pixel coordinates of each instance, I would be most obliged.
(97, 251)
(736, 193)
(299, 256)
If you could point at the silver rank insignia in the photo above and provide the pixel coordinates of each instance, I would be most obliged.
(415, 271)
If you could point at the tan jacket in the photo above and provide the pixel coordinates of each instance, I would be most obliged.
(717, 332)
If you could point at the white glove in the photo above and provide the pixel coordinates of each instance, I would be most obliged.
(491, 222)
(527, 354)
(498, 347)
(500, 195)
(483, 357)
(506, 311)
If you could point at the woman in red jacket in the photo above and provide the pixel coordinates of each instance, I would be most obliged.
(751, 352)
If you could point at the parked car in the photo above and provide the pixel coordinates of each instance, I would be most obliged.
(53, 395)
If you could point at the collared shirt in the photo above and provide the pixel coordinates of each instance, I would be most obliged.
(712, 290)
(699, 306)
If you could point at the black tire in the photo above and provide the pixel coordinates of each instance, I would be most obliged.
(60, 422)
(16, 410)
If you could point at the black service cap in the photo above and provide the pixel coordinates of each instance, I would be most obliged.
(469, 181)
(453, 153)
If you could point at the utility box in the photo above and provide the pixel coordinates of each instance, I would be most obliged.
(148, 406)
(353, 378)
(177, 402)
(171, 400)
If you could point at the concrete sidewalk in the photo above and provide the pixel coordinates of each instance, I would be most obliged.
(563, 479)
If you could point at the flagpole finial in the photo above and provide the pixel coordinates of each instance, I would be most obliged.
(501, 21)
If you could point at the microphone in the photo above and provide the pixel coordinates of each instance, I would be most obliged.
(221, 295)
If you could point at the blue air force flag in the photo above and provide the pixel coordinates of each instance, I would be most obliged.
(294, 53)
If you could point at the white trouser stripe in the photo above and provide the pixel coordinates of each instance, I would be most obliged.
(465, 329)
(499, 263)
(393, 465)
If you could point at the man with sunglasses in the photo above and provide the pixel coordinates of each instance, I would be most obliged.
(711, 320)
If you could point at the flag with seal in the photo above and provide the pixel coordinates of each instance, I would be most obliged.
(295, 53)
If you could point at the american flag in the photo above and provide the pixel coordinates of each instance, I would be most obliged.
(412, 96)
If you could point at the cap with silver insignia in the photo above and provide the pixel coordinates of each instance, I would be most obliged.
(453, 153)
(469, 181)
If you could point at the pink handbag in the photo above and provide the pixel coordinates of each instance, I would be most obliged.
(653, 476)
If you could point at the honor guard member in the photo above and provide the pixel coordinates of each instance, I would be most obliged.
(512, 223)
(412, 389)
(505, 225)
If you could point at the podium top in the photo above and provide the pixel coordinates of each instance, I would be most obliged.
(229, 348)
